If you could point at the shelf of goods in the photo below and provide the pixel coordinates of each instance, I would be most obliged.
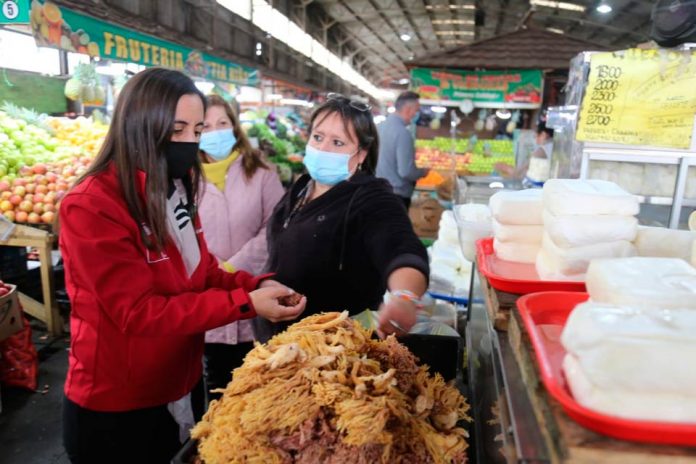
(506, 389)
(472, 157)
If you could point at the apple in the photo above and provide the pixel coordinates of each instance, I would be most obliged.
(62, 186)
(41, 180)
(60, 194)
(21, 216)
(5, 195)
(5, 205)
(51, 176)
(68, 171)
(39, 168)
(20, 190)
(4, 185)
(19, 181)
(29, 197)
(38, 208)
(47, 217)
(15, 200)
(9, 215)
(41, 188)
(49, 207)
(39, 197)
(31, 187)
(26, 206)
(33, 218)
(52, 187)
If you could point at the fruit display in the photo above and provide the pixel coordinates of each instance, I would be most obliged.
(50, 29)
(284, 146)
(40, 158)
(472, 156)
(84, 85)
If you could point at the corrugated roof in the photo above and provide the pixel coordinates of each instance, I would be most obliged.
(521, 49)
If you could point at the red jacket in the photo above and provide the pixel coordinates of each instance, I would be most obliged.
(137, 320)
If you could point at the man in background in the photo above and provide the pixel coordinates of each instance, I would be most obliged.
(397, 151)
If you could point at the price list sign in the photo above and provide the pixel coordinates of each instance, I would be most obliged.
(640, 97)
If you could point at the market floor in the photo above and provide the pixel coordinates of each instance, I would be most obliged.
(30, 422)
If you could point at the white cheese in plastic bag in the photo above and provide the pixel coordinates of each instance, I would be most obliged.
(659, 242)
(516, 252)
(549, 269)
(655, 405)
(626, 348)
(588, 197)
(657, 283)
(575, 260)
(571, 231)
(522, 207)
(521, 234)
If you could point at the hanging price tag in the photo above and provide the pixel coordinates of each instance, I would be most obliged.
(640, 97)
(14, 12)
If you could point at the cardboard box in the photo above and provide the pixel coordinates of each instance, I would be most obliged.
(425, 216)
(10, 314)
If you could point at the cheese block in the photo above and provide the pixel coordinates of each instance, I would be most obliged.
(548, 269)
(656, 283)
(659, 242)
(652, 406)
(626, 348)
(522, 207)
(521, 234)
(572, 230)
(516, 252)
(575, 260)
(588, 197)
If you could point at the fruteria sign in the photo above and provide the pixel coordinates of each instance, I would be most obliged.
(59, 27)
(486, 89)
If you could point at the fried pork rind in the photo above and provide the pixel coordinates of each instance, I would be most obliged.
(324, 392)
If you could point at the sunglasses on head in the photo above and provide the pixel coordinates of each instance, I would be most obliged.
(358, 105)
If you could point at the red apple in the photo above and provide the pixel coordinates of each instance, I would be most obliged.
(49, 207)
(40, 179)
(5, 205)
(4, 185)
(33, 218)
(68, 171)
(15, 200)
(39, 197)
(26, 206)
(62, 186)
(39, 168)
(20, 190)
(9, 215)
(5, 195)
(47, 217)
(29, 197)
(38, 208)
(51, 176)
(21, 216)
(41, 188)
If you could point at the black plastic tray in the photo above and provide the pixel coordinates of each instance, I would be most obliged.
(443, 354)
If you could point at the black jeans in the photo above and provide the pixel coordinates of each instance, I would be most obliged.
(140, 436)
(220, 360)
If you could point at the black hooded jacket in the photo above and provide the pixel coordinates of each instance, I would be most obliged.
(340, 248)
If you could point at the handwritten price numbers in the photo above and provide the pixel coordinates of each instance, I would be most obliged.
(604, 90)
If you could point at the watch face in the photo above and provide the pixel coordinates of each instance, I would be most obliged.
(467, 106)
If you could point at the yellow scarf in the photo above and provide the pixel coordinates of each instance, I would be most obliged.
(217, 172)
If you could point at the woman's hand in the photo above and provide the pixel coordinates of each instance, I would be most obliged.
(402, 312)
(265, 302)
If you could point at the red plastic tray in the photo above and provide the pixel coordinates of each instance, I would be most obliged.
(516, 278)
(544, 315)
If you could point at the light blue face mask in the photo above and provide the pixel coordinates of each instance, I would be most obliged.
(218, 144)
(326, 167)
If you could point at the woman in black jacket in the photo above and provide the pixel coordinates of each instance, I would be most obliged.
(340, 236)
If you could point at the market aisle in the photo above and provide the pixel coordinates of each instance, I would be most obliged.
(30, 423)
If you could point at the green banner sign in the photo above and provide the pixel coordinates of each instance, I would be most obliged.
(486, 89)
(55, 26)
(14, 11)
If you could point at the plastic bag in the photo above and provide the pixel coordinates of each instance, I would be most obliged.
(18, 359)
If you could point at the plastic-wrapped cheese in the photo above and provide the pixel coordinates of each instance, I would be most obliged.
(548, 269)
(659, 242)
(516, 252)
(625, 348)
(653, 406)
(520, 234)
(656, 283)
(522, 207)
(575, 260)
(572, 231)
(588, 197)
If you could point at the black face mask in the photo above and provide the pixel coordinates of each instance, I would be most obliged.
(181, 156)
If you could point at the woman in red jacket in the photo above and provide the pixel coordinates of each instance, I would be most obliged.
(143, 286)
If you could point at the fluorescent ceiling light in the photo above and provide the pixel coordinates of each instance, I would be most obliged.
(557, 31)
(205, 87)
(404, 81)
(454, 32)
(450, 7)
(438, 109)
(453, 21)
(604, 8)
(296, 102)
(405, 37)
(560, 5)
(258, 52)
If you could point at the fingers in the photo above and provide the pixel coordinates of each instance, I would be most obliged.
(286, 313)
(278, 291)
